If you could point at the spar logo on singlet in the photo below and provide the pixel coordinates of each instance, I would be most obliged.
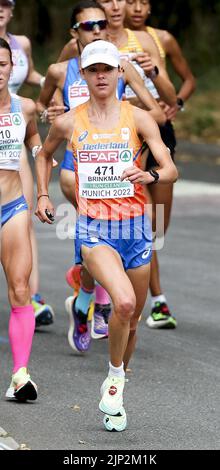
(99, 156)
(78, 91)
(18, 60)
(16, 119)
(5, 120)
(105, 156)
(126, 156)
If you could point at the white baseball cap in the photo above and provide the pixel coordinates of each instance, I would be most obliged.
(100, 52)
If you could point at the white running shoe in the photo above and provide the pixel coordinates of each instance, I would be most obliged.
(112, 396)
(22, 388)
(116, 423)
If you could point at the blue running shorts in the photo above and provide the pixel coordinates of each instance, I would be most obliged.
(13, 208)
(131, 238)
(68, 162)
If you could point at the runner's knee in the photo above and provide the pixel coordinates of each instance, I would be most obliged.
(125, 307)
(19, 291)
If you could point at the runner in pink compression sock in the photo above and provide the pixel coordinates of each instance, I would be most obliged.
(21, 331)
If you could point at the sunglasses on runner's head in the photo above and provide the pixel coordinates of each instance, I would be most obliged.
(90, 25)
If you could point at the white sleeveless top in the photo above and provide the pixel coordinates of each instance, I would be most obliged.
(20, 67)
(12, 135)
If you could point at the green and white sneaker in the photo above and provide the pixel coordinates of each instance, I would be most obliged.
(44, 314)
(112, 396)
(161, 317)
(22, 388)
(116, 423)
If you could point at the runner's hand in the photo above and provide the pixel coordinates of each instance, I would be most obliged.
(171, 112)
(136, 175)
(53, 111)
(44, 204)
(145, 61)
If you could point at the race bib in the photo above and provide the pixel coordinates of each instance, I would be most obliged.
(147, 81)
(12, 132)
(100, 173)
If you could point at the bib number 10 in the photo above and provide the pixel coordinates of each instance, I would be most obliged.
(5, 134)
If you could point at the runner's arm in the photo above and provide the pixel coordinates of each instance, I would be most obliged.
(51, 90)
(59, 131)
(32, 137)
(133, 79)
(33, 77)
(69, 51)
(162, 82)
(180, 66)
(148, 129)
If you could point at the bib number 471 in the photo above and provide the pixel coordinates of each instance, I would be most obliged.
(102, 170)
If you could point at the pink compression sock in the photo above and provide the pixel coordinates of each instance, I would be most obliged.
(101, 296)
(21, 331)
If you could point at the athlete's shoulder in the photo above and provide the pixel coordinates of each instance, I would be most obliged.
(24, 42)
(56, 70)
(69, 51)
(165, 37)
(28, 105)
(141, 116)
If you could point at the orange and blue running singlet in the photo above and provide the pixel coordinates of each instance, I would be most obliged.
(100, 157)
(111, 212)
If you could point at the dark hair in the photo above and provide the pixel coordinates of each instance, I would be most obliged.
(4, 45)
(81, 6)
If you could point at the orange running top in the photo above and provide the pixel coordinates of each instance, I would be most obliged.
(100, 157)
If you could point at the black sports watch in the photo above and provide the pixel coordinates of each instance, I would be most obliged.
(154, 73)
(155, 175)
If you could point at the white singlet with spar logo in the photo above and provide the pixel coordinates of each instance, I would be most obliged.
(12, 134)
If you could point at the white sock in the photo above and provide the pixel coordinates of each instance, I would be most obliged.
(116, 371)
(158, 298)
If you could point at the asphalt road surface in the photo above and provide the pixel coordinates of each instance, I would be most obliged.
(172, 397)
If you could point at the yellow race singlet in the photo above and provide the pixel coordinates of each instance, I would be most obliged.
(154, 35)
(127, 51)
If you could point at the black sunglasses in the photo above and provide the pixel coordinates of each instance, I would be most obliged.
(90, 25)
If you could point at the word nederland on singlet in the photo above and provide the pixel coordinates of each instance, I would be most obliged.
(100, 171)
